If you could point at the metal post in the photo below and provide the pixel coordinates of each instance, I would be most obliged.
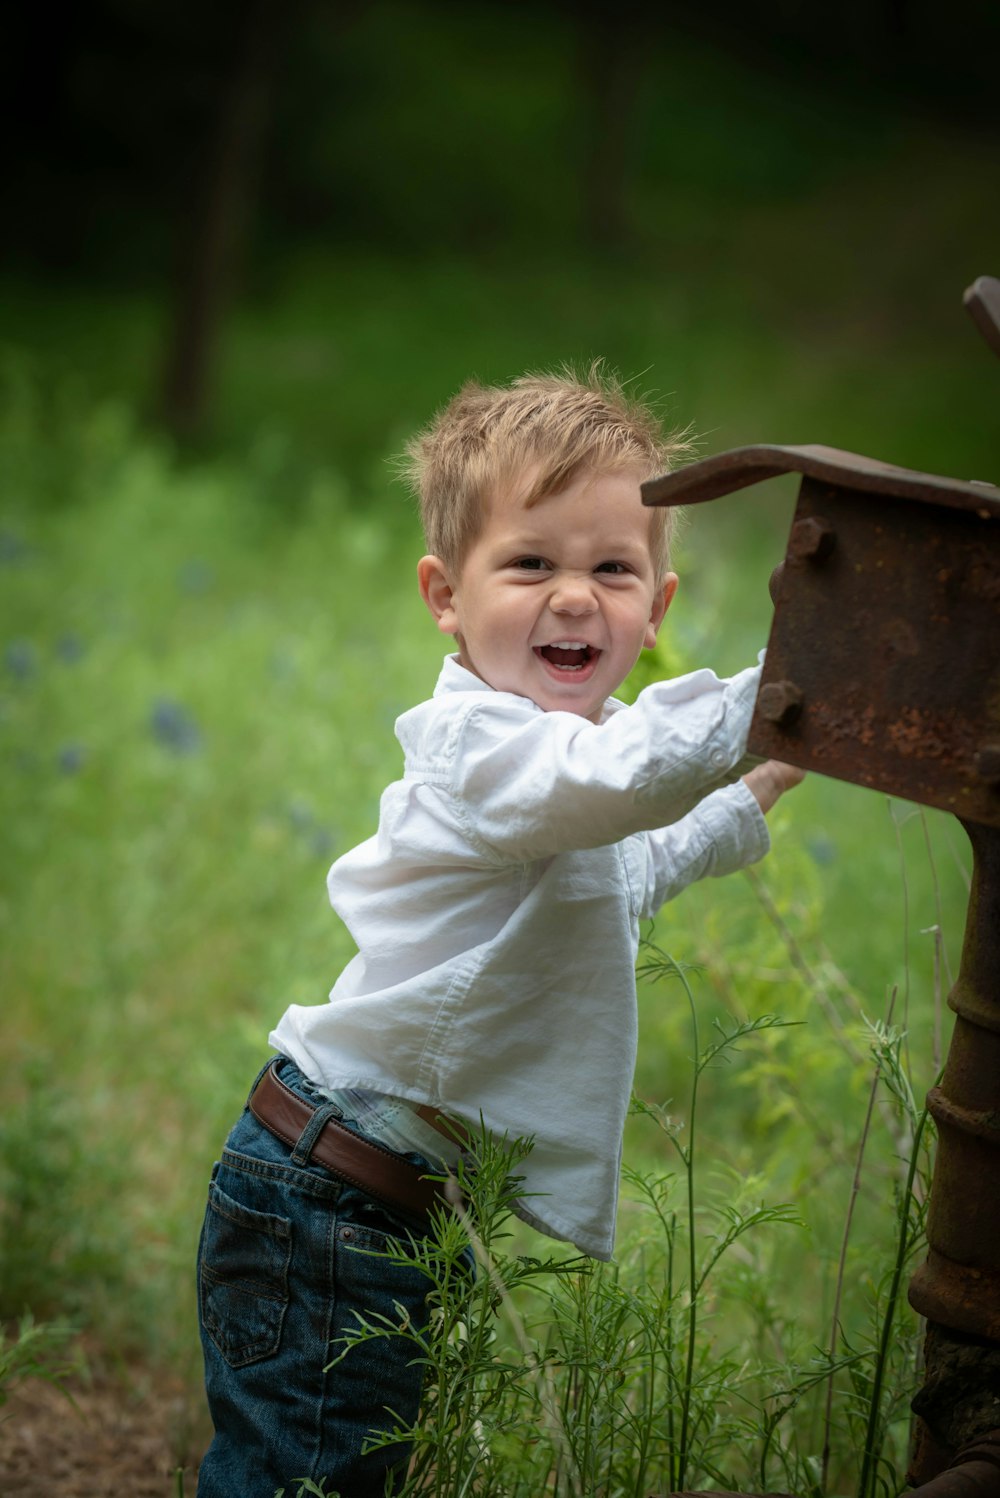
(958, 1288)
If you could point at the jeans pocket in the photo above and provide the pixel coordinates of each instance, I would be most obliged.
(243, 1279)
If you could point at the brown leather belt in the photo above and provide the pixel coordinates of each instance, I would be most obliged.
(353, 1158)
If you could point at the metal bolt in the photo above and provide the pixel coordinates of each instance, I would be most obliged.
(780, 702)
(987, 764)
(812, 539)
(774, 584)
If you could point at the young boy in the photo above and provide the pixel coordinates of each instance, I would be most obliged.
(496, 917)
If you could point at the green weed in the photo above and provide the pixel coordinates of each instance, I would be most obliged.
(35, 1350)
(629, 1378)
(56, 1252)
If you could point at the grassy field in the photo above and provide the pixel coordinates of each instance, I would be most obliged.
(204, 654)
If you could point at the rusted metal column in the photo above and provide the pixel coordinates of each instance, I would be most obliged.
(974, 1473)
(958, 1288)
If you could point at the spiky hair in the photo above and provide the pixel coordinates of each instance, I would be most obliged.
(550, 427)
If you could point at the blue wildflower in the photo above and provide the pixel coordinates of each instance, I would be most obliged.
(317, 838)
(71, 758)
(822, 850)
(321, 842)
(70, 648)
(283, 666)
(195, 576)
(173, 726)
(21, 659)
(13, 549)
(300, 815)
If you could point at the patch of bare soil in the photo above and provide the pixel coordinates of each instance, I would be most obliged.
(113, 1437)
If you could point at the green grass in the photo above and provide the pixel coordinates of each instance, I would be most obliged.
(204, 654)
(196, 715)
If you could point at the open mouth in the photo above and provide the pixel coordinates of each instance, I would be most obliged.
(567, 655)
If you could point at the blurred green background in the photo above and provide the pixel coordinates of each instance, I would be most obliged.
(250, 248)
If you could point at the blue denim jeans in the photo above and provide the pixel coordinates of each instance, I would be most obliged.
(282, 1274)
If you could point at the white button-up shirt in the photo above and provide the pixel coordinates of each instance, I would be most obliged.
(496, 914)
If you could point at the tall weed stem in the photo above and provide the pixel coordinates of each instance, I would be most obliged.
(842, 1262)
(872, 1444)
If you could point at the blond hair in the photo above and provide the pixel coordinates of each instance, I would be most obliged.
(557, 426)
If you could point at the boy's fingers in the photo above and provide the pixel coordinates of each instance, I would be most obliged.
(771, 779)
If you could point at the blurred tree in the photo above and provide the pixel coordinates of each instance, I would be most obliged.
(933, 61)
(406, 127)
(611, 58)
(221, 205)
(111, 114)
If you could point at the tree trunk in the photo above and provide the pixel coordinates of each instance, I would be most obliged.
(219, 214)
(609, 70)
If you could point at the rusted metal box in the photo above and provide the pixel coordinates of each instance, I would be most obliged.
(883, 664)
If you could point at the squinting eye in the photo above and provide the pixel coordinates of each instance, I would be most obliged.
(530, 564)
(615, 568)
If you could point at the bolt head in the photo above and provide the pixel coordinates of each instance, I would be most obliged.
(812, 539)
(987, 764)
(780, 702)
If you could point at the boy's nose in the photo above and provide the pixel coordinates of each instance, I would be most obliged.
(573, 595)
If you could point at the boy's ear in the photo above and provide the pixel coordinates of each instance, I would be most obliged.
(437, 592)
(662, 600)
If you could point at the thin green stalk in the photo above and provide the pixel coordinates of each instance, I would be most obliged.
(493, 1281)
(646, 1414)
(814, 983)
(906, 933)
(940, 950)
(665, 964)
(671, 1236)
(870, 1453)
(465, 1423)
(842, 1264)
(687, 1156)
(936, 886)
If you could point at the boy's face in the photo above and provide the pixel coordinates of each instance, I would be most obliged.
(555, 602)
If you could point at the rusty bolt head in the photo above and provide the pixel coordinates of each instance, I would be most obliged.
(774, 584)
(812, 539)
(780, 702)
(987, 764)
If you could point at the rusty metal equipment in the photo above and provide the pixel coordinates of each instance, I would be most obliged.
(883, 669)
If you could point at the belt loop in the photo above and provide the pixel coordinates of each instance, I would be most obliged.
(268, 1066)
(306, 1142)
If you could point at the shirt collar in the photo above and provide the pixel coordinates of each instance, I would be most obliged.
(457, 678)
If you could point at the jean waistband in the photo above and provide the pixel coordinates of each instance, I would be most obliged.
(360, 1161)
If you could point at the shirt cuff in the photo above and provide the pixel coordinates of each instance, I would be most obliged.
(739, 828)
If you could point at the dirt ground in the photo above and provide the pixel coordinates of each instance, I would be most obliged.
(120, 1435)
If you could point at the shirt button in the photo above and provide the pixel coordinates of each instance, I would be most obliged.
(719, 757)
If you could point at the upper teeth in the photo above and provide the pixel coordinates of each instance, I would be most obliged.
(569, 645)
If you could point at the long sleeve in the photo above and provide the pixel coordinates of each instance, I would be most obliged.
(725, 832)
(528, 784)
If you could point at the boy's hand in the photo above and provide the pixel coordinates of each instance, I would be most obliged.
(770, 780)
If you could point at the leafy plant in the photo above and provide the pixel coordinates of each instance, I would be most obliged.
(35, 1350)
(605, 1382)
(891, 1361)
(54, 1251)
